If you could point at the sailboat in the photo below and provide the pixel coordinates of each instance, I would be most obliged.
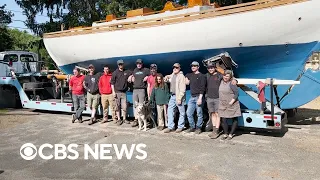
(265, 38)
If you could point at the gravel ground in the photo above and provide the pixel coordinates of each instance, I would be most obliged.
(294, 155)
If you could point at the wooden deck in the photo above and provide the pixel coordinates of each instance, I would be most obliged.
(214, 12)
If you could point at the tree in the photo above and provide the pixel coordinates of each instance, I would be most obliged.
(6, 42)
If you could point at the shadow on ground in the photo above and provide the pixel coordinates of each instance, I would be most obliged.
(305, 116)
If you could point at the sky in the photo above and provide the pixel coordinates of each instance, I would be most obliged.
(19, 17)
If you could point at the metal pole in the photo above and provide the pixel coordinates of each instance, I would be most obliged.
(62, 84)
(271, 96)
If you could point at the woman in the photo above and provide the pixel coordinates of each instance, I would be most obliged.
(160, 96)
(229, 106)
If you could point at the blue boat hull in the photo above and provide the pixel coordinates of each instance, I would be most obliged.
(275, 61)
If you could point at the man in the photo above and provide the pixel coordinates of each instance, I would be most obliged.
(213, 79)
(119, 84)
(107, 99)
(177, 98)
(91, 84)
(197, 83)
(151, 82)
(77, 91)
(151, 79)
(139, 79)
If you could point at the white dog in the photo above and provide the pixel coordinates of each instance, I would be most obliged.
(141, 113)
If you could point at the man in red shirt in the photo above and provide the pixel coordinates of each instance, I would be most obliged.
(76, 86)
(107, 99)
(151, 79)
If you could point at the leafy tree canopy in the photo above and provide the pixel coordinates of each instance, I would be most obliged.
(73, 13)
(6, 42)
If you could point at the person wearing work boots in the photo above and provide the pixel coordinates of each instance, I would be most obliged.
(177, 98)
(119, 84)
(229, 106)
(197, 83)
(139, 80)
(91, 84)
(77, 91)
(107, 99)
(214, 78)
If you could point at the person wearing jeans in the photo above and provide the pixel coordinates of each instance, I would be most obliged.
(197, 83)
(177, 98)
(77, 90)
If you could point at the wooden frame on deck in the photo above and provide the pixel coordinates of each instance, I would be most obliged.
(222, 11)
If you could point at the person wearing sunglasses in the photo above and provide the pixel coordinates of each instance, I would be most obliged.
(197, 83)
(160, 96)
(177, 98)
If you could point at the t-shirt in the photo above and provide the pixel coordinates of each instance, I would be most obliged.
(213, 83)
(197, 83)
(120, 80)
(76, 83)
(139, 75)
(151, 80)
(91, 83)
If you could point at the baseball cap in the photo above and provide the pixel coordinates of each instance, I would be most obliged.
(176, 65)
(153, 66)
(139, 61)
(90, 66)
(210, 64)
(195, 63)
(120, 61)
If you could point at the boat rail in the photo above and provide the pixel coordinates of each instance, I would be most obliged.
(214, 12)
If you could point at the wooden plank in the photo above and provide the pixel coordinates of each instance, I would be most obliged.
(177, 18)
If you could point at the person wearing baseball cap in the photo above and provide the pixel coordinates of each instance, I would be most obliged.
(139, 79)
(177, 98)
(197, 83)
(151, 79)
(91, 84)
(119, 84)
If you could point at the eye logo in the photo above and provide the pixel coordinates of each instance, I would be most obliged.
(28, 151)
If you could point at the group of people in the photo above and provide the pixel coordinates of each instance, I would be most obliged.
(218, 90)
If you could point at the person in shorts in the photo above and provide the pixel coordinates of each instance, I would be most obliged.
(91, 84)
(214, 79)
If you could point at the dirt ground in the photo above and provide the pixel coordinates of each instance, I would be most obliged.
(250, 155)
